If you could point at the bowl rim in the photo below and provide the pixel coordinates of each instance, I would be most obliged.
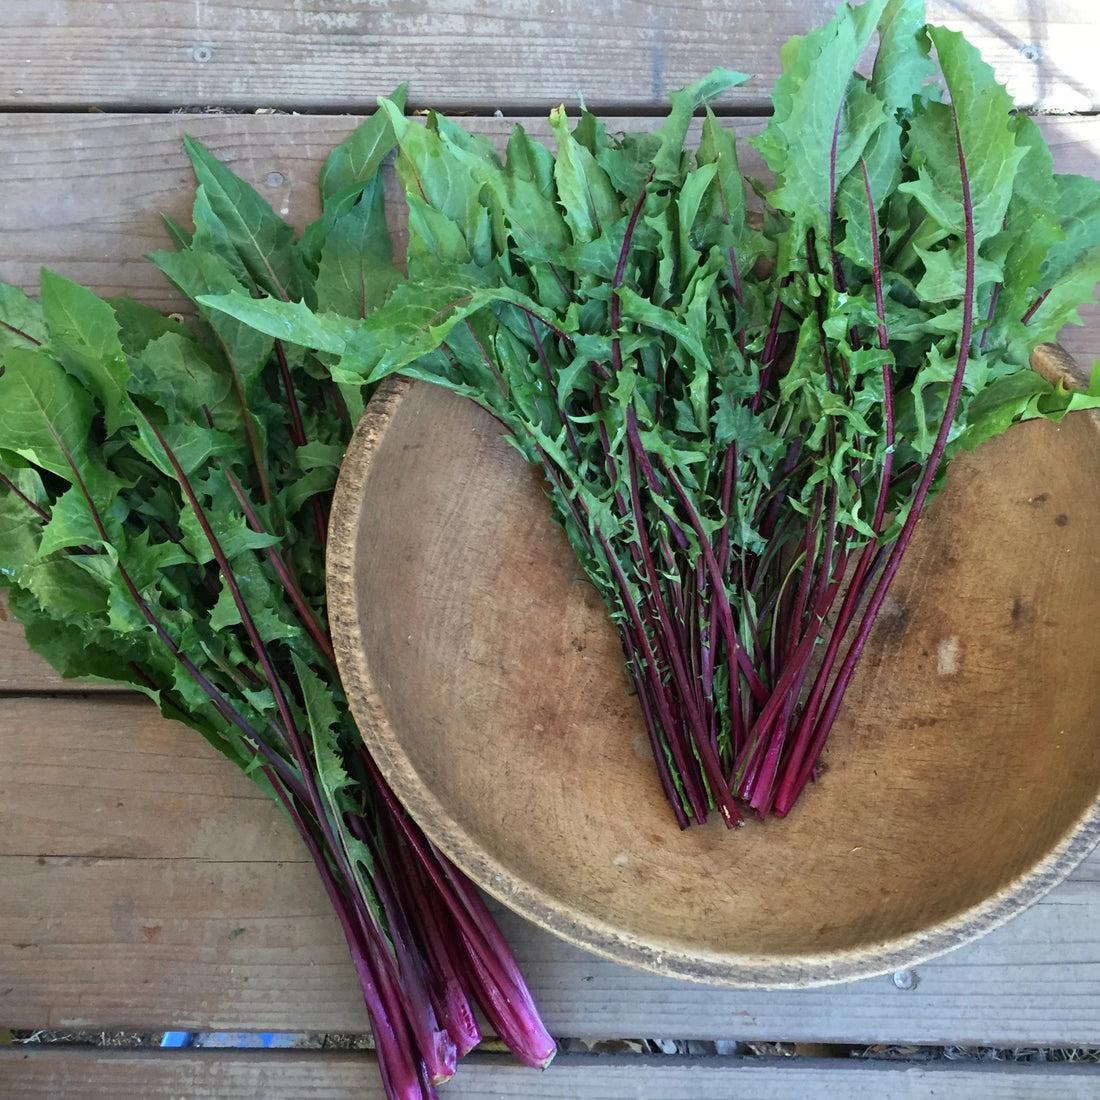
(663, 957)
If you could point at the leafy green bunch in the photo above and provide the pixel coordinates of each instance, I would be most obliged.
(164, 496)
(741, 398)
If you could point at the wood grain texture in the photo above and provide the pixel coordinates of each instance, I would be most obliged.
(110, 779)
(24, 671)
(83, 194)
(133, 854)
(43, 1074)
(145, 878)
(511, 54)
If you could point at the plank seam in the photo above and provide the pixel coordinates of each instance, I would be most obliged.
(482, 110)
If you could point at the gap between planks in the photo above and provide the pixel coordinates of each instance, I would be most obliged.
(278, 1075)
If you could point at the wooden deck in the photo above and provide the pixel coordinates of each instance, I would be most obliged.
(144, 883)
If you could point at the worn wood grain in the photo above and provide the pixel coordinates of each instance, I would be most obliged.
(110, 779)
(83, 194)
(132, 855)
(278, 1075)
(511, 54)
(24, 671)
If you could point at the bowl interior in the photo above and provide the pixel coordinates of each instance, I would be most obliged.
(961, 778)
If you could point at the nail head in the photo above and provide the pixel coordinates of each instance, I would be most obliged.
(906, 979)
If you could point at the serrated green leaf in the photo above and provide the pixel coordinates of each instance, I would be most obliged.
(294, 322)
(434, 239)
(357, 160)
(428, 168)
(71, 524)
(1000, 404)
(587, 196)
(823, 117)
(725, 202)
(530, 161)
(643, 312)
(352, 166)
(20, 526)
(193, 445)
(47, 413)
(74, 654)
(945, 271)
(63, 589)
(903, 68)
(139, 324)
(21, 321)
(666, 165)
(687, 210)
(146, 559)
(198, 274)
(179, 236)
(1072, 267)
(979, 120)
(334, 781)
(317, 454)
(173, 370)
(85, 339)
(320, 479)
(232, 219)
(233, 533)
(355, 273)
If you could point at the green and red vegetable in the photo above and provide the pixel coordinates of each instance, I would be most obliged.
(164, 494)
(741, 419)
(742, 399)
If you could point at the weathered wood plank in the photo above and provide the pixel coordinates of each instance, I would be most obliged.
(83, 194)
(512, 54)
(172, 942)
(23, 671)
(144, 878)
(283, 1075)
(110, 779)
(133, 854)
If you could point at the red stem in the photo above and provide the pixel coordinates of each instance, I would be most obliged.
(20, 333)
(698, 728)
(290, 583)
(39, 511)
(810, 746)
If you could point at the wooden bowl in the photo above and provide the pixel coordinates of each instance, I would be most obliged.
(961, 780)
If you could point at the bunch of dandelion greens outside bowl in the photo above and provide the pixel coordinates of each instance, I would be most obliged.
(164, 498)
(739, 425)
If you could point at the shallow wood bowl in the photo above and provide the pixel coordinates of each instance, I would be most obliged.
(960, 782)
